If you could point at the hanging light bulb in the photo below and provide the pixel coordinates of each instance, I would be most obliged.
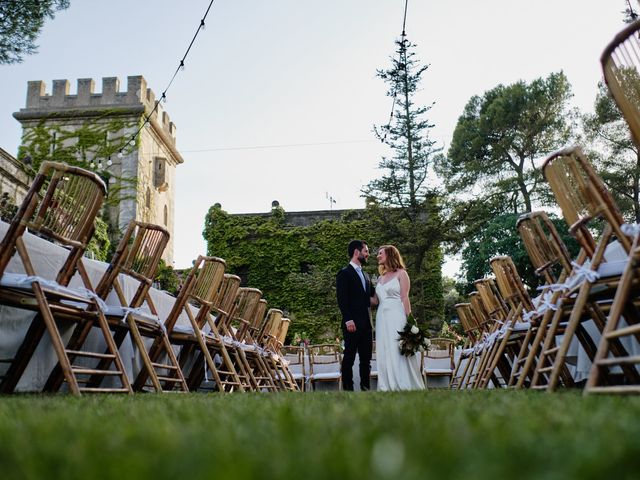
(100, 164)
(120, 155)
(92, 165)
(109, 162)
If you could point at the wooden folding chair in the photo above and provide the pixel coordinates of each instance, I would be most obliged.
(485, 325)
(583, 198)
(247, 312)
(283, 366)
(618, 328)
(267, 344)
(61, 206)
(497, 312)
(136, 258)
(223, 348)
(516, 334)
(200, 291)
(437, 360)
(285, 378)
(552, 262)
(473, 333)
(620, 66)
(295, 358)
(325, 362)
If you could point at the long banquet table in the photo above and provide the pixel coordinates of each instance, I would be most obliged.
(47, 259)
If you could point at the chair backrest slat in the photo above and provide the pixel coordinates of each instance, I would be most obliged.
(544, 246)
(491, 298)
(186, 295)
(620, 65)
(61, 206)
(583, 197)
(510, 284)
(137, 256)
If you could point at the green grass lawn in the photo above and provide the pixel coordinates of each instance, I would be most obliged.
(433, 434)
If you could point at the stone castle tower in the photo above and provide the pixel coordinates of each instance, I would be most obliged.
(142, 173)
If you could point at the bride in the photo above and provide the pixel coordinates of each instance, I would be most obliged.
(395, 371)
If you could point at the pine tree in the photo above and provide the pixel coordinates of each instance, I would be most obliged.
(402, 202)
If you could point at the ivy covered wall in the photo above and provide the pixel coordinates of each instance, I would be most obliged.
(295, 266)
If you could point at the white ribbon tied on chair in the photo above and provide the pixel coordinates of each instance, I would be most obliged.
(545, 301)
(21, 280)
(579, 274)
(584, 273)
(143, 312)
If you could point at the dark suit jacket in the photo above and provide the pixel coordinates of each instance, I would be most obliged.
(353, 300)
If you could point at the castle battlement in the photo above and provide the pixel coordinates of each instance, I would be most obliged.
(137, 96)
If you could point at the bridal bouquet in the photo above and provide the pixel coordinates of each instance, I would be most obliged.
(412, 338)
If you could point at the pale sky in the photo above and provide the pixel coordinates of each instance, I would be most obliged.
(276, 73)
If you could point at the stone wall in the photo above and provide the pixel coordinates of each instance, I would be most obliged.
(305, 218)
(15, 179)
(149, 201)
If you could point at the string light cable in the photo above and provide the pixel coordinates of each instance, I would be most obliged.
(163, 96)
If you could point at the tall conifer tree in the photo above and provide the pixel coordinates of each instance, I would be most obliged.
(402, 201)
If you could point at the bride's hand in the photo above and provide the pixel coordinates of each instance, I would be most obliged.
(374, 299)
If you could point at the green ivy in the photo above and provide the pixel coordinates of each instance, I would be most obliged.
(84, 144)
(167, 278)
(100, 245)
(295, 266)
(81, 145)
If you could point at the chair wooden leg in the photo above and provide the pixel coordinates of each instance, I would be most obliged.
(570, 329)
(78, 337)
(463, 378)
(56, 340)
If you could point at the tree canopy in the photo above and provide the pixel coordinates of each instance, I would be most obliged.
(500, 136)
(499, 236)
(21, 22)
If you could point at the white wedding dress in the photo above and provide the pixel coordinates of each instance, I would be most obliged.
(395, 371)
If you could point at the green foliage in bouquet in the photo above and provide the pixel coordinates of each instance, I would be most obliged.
(412, 338)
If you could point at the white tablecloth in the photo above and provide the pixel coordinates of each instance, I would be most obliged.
(47, 259)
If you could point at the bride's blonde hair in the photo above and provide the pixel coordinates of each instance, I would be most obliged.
(394, 260)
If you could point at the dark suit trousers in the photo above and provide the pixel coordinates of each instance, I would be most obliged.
(361, 342)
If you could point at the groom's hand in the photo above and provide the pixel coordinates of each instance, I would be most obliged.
(351, 326)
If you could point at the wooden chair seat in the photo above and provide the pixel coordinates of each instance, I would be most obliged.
(295, 358)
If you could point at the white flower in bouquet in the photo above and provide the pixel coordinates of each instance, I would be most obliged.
(414, 329)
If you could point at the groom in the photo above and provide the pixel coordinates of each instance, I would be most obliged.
(354, 292)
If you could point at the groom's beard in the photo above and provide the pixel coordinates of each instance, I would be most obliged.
(362, 260)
